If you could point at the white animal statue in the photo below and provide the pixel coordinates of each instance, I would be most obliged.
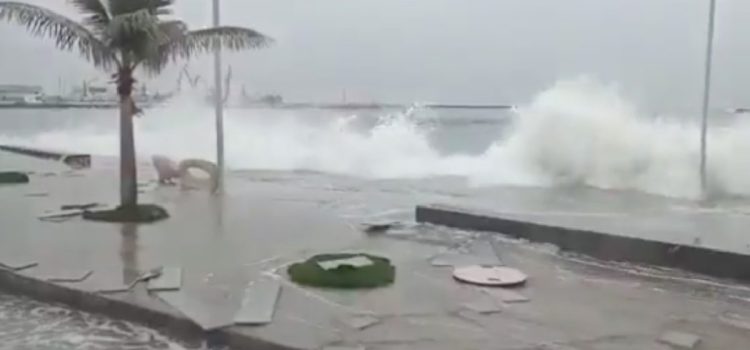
(168, 171)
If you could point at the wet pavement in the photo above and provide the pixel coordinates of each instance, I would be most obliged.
(268, 220)
(719, 225)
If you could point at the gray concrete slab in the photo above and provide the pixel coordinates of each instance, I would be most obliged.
(680, 339)
(169, 279)
(258, 302)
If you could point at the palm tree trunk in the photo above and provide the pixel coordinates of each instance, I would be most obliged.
(128, 172)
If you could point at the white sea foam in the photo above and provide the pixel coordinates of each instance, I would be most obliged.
(578, 131)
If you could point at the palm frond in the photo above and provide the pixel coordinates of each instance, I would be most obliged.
(155, 7)
(129, 24)
(96, 14)
(206, 40)
(67, 34)
(171, 31)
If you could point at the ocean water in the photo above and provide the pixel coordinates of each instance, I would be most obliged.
(28, 324)
(578, 132)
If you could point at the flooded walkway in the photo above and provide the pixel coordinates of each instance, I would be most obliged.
(264, 223)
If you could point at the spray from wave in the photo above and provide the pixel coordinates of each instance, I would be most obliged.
(577, 132)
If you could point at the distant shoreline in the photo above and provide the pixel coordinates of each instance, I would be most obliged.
(293, 105)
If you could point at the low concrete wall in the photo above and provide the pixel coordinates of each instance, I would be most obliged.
(172, 324)
(601, 245)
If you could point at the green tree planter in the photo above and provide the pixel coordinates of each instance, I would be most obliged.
(143, 213)
(309, 273)
(13, 177)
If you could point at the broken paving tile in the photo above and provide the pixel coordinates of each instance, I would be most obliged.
(170, 279)
(258, 303)
(68, 276)
(361, 321)
(356, 261)
(484, 306)
(484, 249)
(60, 215)
(506, 296)
(205, 316)
(680, 339)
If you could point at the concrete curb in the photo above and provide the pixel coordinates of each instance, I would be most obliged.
(171, 323)
(71, 159)
(600, 245)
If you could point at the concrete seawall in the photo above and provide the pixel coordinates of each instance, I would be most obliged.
(600, 244)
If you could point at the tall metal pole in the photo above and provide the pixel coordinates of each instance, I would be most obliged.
(219, 101)
(707, 96)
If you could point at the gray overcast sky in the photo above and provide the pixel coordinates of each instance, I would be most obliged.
(452, 50)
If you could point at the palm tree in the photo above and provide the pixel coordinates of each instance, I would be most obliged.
(120, 36)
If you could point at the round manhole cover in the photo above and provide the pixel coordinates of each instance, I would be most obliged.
(496, 276)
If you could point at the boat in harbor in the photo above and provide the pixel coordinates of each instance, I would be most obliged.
(88, 95)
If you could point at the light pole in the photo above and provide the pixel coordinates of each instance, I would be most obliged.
(219, 101)
(707, 96)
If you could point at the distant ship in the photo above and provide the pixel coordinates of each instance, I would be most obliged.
(88, 95)
(268, 100)
(13, 95)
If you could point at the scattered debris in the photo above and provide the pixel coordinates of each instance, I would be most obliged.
(60, 216)
(170, 278)
(72, 276)
(361, 322)
(86, 206)
(496, 276)
(484, 306)
(357, 261)
(146, 277)
(381, 227)
(259, 303)
(18, 265)
(680, 339)
(506, 296)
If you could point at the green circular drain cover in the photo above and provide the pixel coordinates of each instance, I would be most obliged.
(345, 271)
